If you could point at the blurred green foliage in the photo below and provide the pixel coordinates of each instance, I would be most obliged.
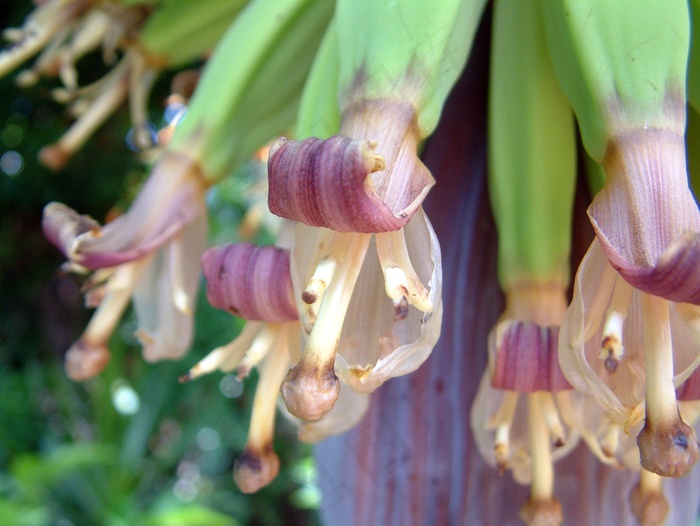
(132, 446)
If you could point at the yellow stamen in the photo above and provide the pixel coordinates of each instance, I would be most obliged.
(551, 417)
(611, 345)
(260, 346)
(227, 357)
(54, 156)
(259, 465)
(667, 445)
(502, 421)
(401, 282)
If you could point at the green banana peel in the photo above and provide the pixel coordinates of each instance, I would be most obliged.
(250, 89)
(532, 151)
(319, 115)
(179, 31)
(694, 58)
(405, 50)
(618, 62)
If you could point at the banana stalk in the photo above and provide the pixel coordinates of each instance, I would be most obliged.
(319, 115)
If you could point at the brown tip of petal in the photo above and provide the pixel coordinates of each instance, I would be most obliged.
(253, 470)
(541, 512)
(309, 393)
(83, 361)
(500, 451)
(401, 309)
(650, 508)
(53, 157)
(309, 297)
(668, 450)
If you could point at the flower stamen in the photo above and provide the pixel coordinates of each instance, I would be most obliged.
(551, 418)
(502, 421)
(227, 357)
(115, 91)
(259, 347)
(542, 508)
(401, 282)
(647, 500)
(611, 346)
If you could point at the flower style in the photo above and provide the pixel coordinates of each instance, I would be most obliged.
(149, 254)
(255, 284)
(629, 349)
(364, 187)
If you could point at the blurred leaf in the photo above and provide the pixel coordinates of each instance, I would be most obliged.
(192, 515)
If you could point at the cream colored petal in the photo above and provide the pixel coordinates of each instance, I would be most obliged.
(164, 327)
(581, 335)
(373, 346)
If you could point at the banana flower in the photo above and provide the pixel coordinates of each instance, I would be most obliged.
(255, 284)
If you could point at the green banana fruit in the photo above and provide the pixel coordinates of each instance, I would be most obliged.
(250, 90)
(694, 59)
(532, 151)
(413, 50)
(319, 115)
(622, 64)
(179, 31)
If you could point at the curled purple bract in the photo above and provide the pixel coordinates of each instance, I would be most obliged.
(251, 282)
(526, 358)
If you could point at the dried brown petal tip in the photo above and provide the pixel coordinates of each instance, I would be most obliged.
(310, 393)
(650, 508)
(500, 451)
(53, 157)
(253, 470)
(84, 360)
(542, 512)
(668, 450)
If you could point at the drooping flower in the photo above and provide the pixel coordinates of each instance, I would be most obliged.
(146, 254)
(168, 218)
(628, 350)
(255, 284)
(521, 415)
(137, 42)
(355, 186)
